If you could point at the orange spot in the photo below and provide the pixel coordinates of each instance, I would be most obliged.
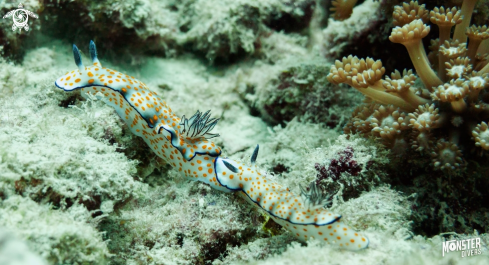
(90, 74)
(77, 80)
(91, 81)
(352, 240)
(200, 168)
(68, 78)
(339, 237)
(231, 176)
(363, 239)
(210, 170)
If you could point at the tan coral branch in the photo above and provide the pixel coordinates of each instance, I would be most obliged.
(410, 36)
(459, 67)
(476, 36)
(408, 12)
(453, 92)
(402, 86)
(477, 83)
(467, 10)
(449, 50)
(445, 19)
(365, 76)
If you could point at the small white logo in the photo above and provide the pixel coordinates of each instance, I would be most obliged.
(20, 17)
(469, 247)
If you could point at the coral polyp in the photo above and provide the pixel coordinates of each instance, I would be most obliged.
(481, 135)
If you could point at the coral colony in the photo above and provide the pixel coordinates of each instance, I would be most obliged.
(184, 143)
(450, 105)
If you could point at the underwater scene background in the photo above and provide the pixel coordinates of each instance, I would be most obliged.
(374, 112)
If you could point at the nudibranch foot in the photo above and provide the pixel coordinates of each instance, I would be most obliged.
(184, 144)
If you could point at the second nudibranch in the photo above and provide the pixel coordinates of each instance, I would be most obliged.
(184, 143)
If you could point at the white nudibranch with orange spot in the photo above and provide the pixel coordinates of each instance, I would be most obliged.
(184, 144)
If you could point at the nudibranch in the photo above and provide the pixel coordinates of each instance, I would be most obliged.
(184, 143)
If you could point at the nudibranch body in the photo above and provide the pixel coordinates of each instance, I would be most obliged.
(184, 143)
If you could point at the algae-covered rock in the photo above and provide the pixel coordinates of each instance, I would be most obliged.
(59, 236)
(217, 29)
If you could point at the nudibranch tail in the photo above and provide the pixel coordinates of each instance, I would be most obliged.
(184, 144)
